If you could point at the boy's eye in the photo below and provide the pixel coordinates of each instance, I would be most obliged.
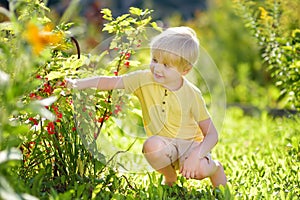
(166, 65)
(154, 60)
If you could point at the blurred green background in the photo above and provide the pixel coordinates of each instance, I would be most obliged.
(252, 49)
(221, 31)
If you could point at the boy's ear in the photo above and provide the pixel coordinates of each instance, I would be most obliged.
(186, 70)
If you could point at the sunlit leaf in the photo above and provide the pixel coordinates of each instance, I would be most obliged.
(10, 154)
(8, 26)
(39, 107)
(47, 102)
(135, 11)
(122, 17)
(55, 75)
(106, 12)
(4, 78)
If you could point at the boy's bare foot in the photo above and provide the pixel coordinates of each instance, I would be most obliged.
(169, 182)
(219, 177)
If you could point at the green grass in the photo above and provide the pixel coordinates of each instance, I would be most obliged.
(261, 156)
(261, 159)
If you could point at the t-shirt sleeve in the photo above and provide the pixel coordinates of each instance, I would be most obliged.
(132, 81)
(199, 108)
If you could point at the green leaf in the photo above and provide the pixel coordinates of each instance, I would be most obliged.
(107, 18)
(4, 78)
(155, 26)
(109, 28)
(43, 6)
(6, 26)
(55, 75)
(113, 45)
(106, 12)
(39, 107)
(135, 11)
(122, 17)
(47, 102)
(124, 23)
(146, 21)
(10, 154)
(37, 182)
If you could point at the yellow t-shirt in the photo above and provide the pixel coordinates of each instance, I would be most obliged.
(173, 114)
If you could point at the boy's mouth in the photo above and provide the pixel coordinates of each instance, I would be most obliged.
(158, 76)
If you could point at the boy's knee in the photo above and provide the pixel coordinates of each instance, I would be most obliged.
(157, 152)
(153, 144)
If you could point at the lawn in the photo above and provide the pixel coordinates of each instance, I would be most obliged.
(57, 143)
(260, 155)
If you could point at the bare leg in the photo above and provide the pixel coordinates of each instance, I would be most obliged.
(161, 157)
(212, 169)
(169, 174)
(219, 177)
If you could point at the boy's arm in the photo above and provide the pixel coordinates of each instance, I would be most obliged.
(190, 165)
(99, 82)
(210, 138)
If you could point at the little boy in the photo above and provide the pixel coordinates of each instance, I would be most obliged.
(181, 132)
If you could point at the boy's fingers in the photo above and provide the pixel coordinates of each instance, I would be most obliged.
(187, 175)
(192, 175)
(70, 83)
(182, 171)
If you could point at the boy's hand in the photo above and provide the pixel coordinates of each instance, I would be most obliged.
(193, 166)
(70, 83)
(190, 167)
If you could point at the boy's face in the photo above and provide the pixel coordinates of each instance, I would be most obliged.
(168, 76)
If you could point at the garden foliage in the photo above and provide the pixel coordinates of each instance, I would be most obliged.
(275, 25)
(38, 114)
(49, 135)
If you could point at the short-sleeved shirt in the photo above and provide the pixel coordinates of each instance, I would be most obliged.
(173, 114)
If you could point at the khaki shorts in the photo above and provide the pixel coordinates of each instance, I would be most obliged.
(177, 150)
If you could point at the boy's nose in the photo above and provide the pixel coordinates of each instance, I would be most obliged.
(158, 67)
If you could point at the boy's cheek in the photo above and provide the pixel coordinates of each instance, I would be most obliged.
(151, 68)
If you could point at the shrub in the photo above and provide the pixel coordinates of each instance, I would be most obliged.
(276, 28)
(38, 114)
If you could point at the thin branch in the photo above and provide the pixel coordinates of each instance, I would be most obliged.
(117, 153)
(77, 46)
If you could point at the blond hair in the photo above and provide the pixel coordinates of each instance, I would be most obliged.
(177, 47)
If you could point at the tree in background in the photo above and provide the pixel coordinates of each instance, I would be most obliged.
(275, 25)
